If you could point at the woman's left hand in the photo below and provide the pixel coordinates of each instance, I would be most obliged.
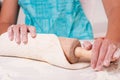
(103, 52)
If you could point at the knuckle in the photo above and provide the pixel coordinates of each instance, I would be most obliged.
(23, 27)
(16, 28)
(99, 40)
(10, 27)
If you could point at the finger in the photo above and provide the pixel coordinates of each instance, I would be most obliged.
(111, 49)
(24, 34)
(95, 52)
(116, 55)
(32, 31)
(10, 32)
(16, 30)
(87, 45)
(102, 54)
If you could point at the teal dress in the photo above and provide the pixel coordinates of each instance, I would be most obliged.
(61, 17)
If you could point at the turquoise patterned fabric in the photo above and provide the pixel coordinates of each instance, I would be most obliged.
(61, 17)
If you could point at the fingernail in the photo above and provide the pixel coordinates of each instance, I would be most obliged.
(18, 42)
(106, 63)
(33, 35)
(98, 68)
(25, 42)
(93, 65)
(11, 39)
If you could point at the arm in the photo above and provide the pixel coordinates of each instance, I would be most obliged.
(8, 14)
(112, 8)
(104, 50)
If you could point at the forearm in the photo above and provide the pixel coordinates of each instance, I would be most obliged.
(112, 8)
(8, 14)
(114, 25)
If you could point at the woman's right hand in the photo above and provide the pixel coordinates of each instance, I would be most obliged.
(19, 33)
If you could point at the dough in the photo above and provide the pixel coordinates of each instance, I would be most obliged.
(45, 47)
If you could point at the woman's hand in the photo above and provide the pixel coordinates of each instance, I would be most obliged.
(103, 52)
(20, 33)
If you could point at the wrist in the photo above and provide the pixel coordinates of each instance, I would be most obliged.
(113, 39)
(4, 27)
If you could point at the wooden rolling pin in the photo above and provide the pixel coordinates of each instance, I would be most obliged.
(73, 50)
